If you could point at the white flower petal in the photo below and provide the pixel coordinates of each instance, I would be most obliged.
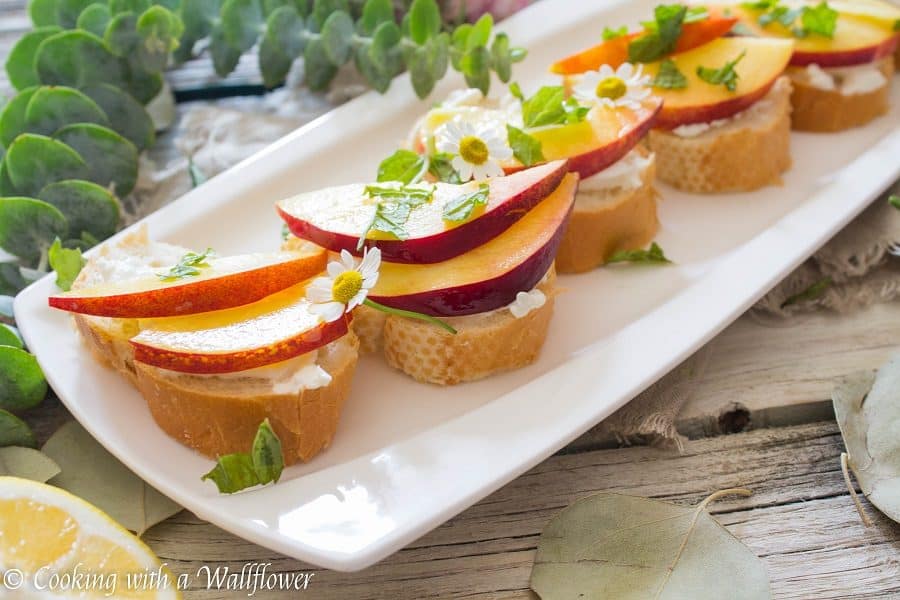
(625, 71)
(357, 299)
(320, 290)
(335, 268)
(371, 262)
(348, 260)
(604, 72)
(462, 167)
(330, 311)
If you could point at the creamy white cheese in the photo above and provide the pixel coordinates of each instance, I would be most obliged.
(696, 129)
(526, 302)
(624, 174)
(287, 377)
(849, 81)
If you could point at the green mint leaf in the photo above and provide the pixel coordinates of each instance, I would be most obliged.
(241, 470)
(810, 293)
(760, 4)
(67, 264)
(653, 255)
(404, 166)
(661, 36)
(188, 265)
(742, 29)
(285, 232)
(696, 13)
(575, 113)
(894, 201)
(820, 19)
(393, 209)
(725, 75)
(526, 148)
(460, 208)
(516, 91)
(611, 34)
(414, 196)
(669, 77)
(440, 167)
(549, 106)
(22, 383)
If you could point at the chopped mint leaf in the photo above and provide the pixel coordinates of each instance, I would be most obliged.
(241, 470)
(742, 29)
(897, 25)
(404, 166)
(393, 209)
(526, 148)
(696, 13)
(819, 20)
(549, 106)
(66, 262)
(661, 36)
(894, 200)
(460, 208)
(440, 168)
(726, 75)
(653, 255)
(516, 91)
(188, 265)
(811, 293)
(611, 34)
(285, 232)
(669, 77)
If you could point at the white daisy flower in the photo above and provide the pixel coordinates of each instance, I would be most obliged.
(626, 86)
(477, 152)
(346, 286)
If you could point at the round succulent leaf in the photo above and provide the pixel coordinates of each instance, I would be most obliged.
(375, 13)
(438, 48)
(382, 49)
(198, 18)
(34, 161)
(95, 18)
(11, 281)
(126, 115)
(476, 67)
(274, 64)
(54, 107)
(12, 117)
(68, 11)
(420, 72)
(500, 57)
(42, 12)
(6, 185)
(9, 336)
(376, 75)
(78, 59)
(242, 23)
(318, 68)
(141, 84)
(424, 20)
(322, 9)
(87, 207)
(480, 34)
(134, 6)
(121, 35)
(285, 31)
(458, 40)
(28, 226)
(20, 63)
(159, 30)
(337, 37)
(225, 57)
(111, 159)
(14, 431)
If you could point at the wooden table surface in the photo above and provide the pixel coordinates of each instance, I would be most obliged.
(760, 419)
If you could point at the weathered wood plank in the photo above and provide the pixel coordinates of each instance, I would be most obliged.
(800, 521)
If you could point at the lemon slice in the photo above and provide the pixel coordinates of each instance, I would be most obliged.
(53, 544)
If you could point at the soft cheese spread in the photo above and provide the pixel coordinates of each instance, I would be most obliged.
(526, 302)
(624, 174)
(849, 81)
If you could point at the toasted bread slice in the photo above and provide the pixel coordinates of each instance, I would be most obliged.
(749, 151)
(823, 110)
(212, 414)
(607, 220)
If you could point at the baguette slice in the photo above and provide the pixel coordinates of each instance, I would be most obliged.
(821, 110)
(605, 221)
(746, 153)
(211, 414)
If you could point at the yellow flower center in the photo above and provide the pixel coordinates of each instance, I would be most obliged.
(612, 88)
(473, 150)
(346, 286)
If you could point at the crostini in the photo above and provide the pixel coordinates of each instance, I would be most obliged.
(843, 57)
(218, 345)
(725, 120)
(466, 283)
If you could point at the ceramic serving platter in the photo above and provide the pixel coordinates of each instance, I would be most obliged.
(409, 456)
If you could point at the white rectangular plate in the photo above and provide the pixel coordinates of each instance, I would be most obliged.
(408, 456)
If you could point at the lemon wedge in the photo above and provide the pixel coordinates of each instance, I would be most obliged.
(54, 544)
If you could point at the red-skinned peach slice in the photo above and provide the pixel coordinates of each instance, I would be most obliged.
(488, 277)
(614, 52)
(226, 283)
(701, 102)
(860, 37)
(336, 217)
(276, 328)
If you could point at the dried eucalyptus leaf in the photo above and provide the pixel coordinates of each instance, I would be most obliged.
(29, 463)
(92, 473)
(867, 408)
(616, 546)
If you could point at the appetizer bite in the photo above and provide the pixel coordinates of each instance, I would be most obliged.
(843, 57)
(725, 120)
(466, 283)
(217, 345)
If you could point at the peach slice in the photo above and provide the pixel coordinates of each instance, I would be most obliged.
(701, 102)
(336, 217)
(276, 328)
(614, 52)
(226, 283)
(488, 277)
(862, 34)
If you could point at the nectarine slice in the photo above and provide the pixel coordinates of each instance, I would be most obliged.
(336, 217)
(225, 283)
(701, 102)
(489, 276)
(276, 328)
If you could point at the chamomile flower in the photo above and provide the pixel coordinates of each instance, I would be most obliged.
(626, 86)
(346, 286)
(477, 152)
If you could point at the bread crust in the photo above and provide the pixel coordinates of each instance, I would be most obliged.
(742, 156)
(822, 111)
(603, 223)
